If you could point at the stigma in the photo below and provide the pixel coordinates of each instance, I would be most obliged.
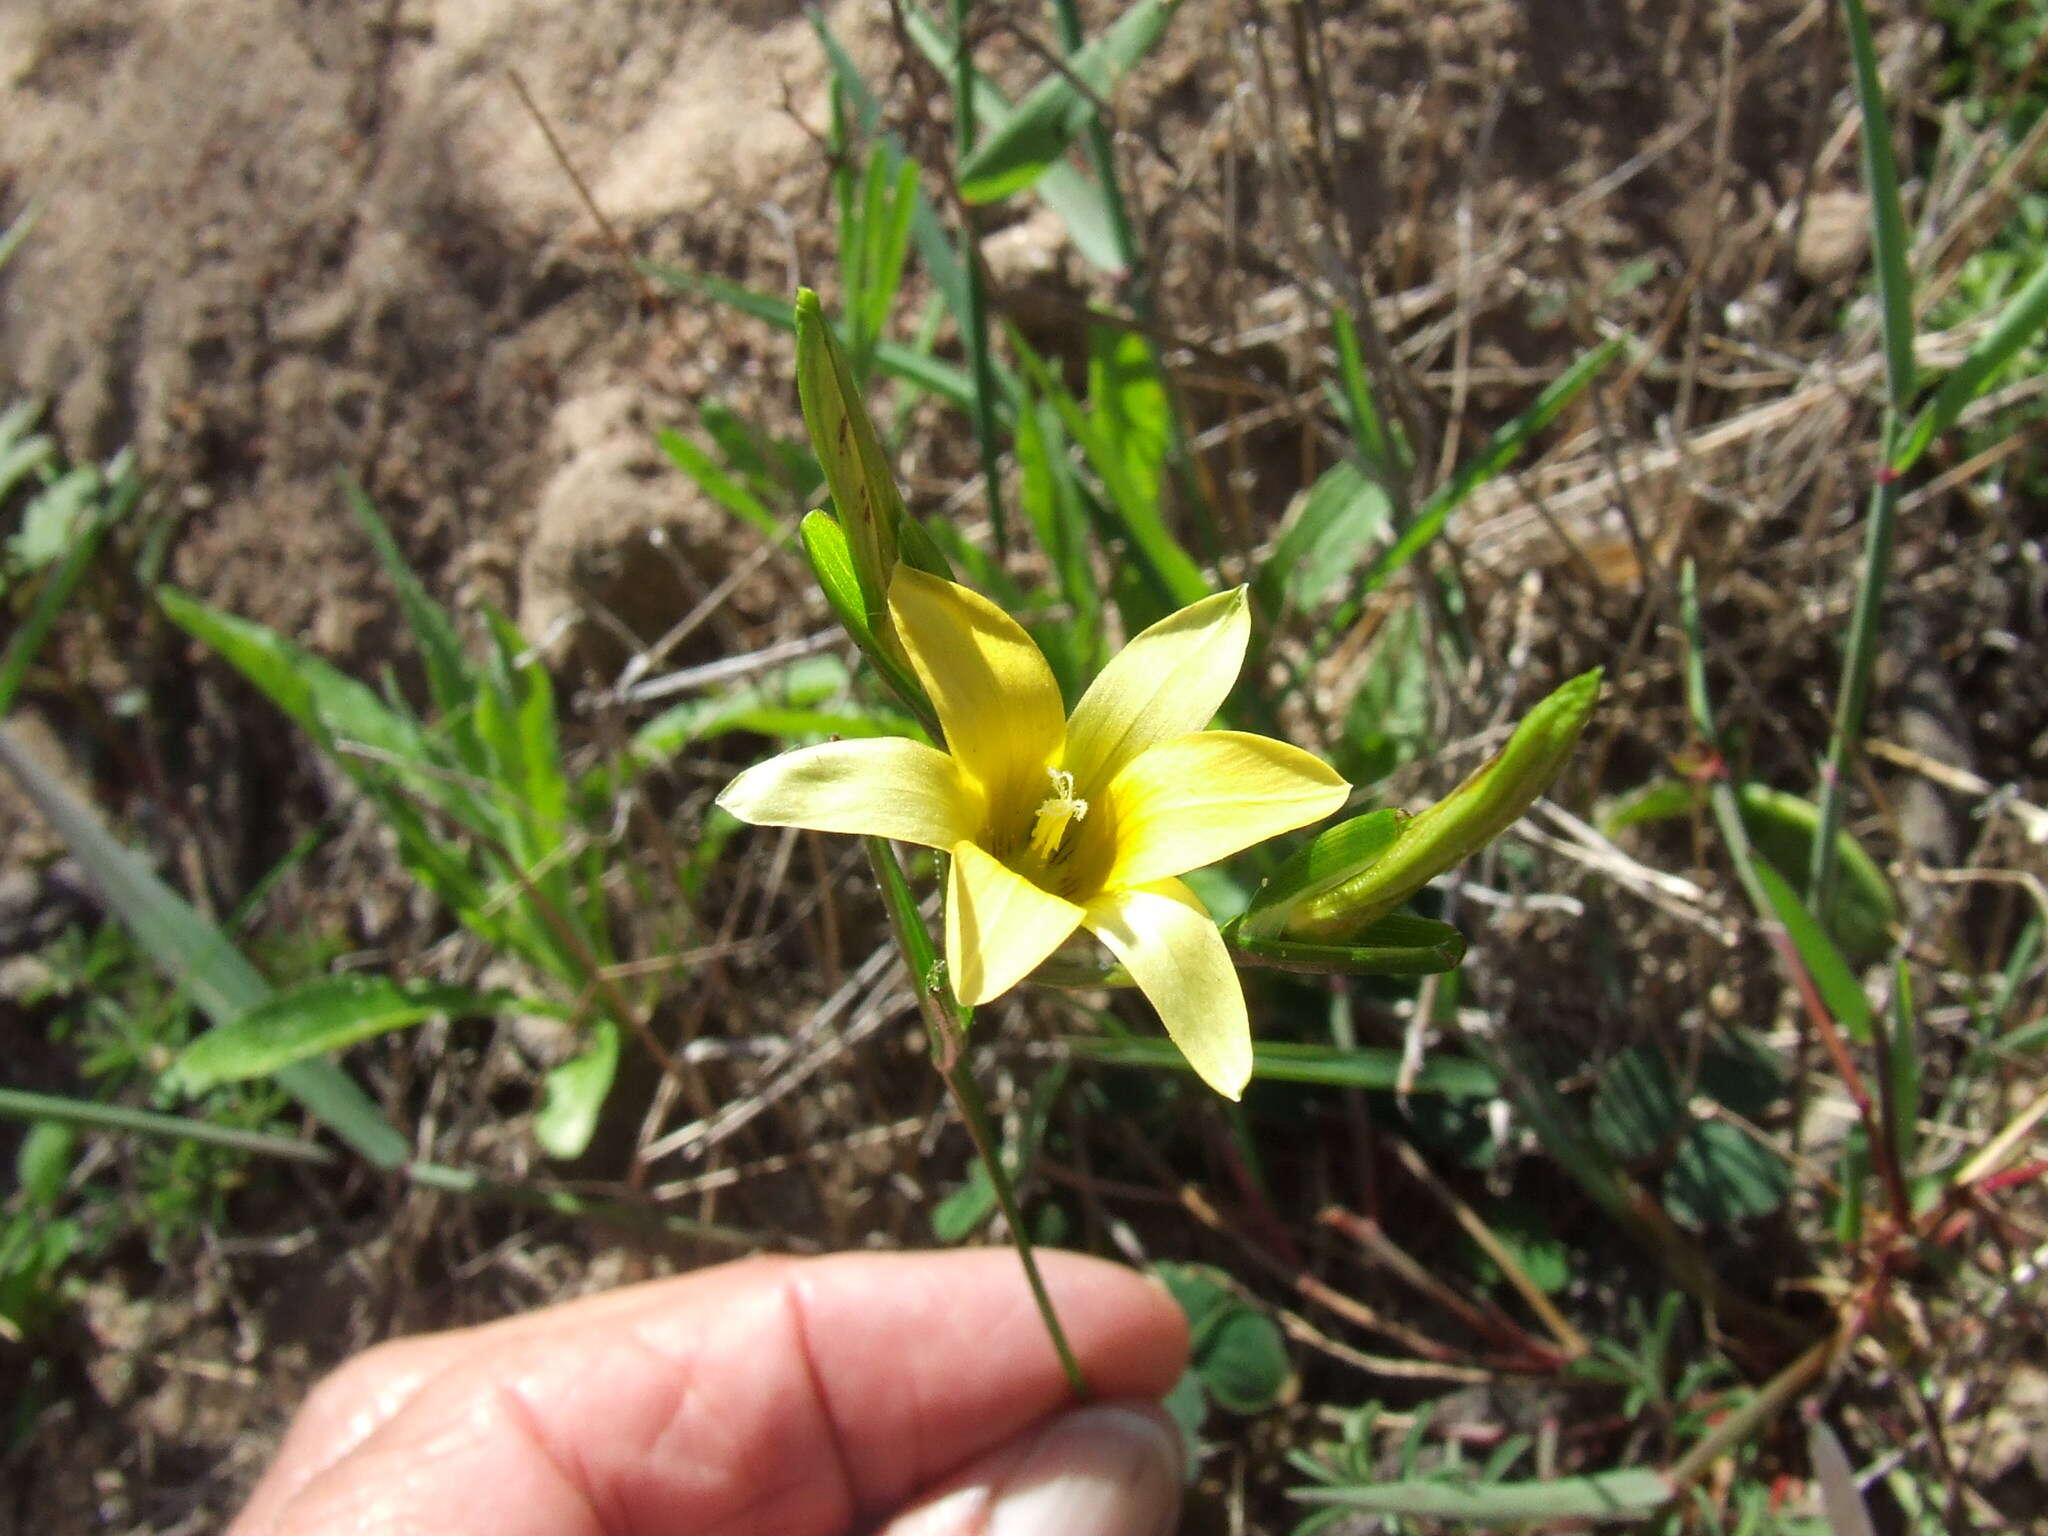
(1055, 814)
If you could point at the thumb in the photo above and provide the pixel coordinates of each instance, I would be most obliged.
(1109, 1470)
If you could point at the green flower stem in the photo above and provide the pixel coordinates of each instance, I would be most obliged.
(947, 1023)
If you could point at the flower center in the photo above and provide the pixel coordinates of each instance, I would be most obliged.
(1055, 815)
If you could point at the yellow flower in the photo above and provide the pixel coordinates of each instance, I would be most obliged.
(1056, 824)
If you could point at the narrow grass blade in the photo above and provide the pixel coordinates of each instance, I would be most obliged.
(195, 954)
(1324, 1066)
(1634, 1494)
(1016, 154)
(329, 1013)
(449, 677)
(1887, 215)
(722, 488)
(1501, 450)
(53, 593)
(2018, 323)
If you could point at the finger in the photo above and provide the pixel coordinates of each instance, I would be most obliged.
(1107, 1470)
(794, 1397)
(360, 1397)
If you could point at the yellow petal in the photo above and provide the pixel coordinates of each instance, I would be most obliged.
(1196, 799)
(1168, 681)
(995, 695)
(1174, 953)
(883, 787)
(999, 926)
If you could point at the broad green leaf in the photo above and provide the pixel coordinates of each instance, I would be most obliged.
(196, 955)
(44, 1162)
(1242, 1360)
(1636, 1110)
(2018, 323)
(1721, 1175)
(1460, 824)
(1331, 527)
(329, 1013)
(1832, 978)
(1629, 1495)
(1322, 1065)
(1862, 908)
(1015, 154)
(575, 1094)
(959, 1215)
(54, 518)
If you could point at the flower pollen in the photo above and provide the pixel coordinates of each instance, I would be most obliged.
(1055, 815)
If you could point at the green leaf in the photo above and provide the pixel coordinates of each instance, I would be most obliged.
(450, 678)
(718, 485)
(1523, 1228)
(1388, 721)
(328, 1013)
(1636, 1110)
(574, 1094)
(825, 545)
(1889, 239)
(1862, 908)
(1832, 978)
(1332, 526)
(1324, 1066)
(196, 955)
(52, 593)
(962, 1213)
(1188, 1405)
(1720, 1176)
(1628, 1495)
(1242, 1360)
(54, 518)
(42, 1167)
(1017, 152)
(864, 494)
(1397, 944)
(1501, 450)
(1460, 824)
(2017, 325)
(1080, 204)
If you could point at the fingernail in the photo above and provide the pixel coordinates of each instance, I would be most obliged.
(1094, 1472)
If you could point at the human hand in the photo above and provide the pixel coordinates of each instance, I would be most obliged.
(907, 1394)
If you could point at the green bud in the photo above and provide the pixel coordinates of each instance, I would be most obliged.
(864, 493)
(1452, 830)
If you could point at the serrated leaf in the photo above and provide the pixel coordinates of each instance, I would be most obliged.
(574, 1095)
(329, 1013)
(1720, 1176)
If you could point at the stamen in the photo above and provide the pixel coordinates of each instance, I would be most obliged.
(1055, 815)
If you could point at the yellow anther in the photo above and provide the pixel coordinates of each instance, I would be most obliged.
(1055, 814)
